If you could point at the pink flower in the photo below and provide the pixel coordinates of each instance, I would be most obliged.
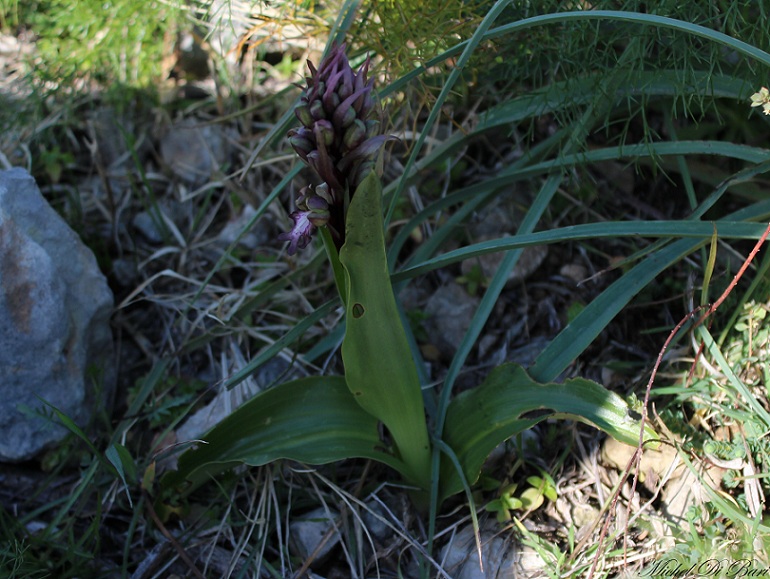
(301, 234)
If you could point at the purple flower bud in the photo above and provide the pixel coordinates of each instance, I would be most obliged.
(303, 114)
(343, 116)
(371, 128)
(323, 131)
(345, 88)
(331, 98)
(323, 191)
(301, 143)
(317, 110)
(345, 106)
(355, 134)
(322, 164)
(318, 211)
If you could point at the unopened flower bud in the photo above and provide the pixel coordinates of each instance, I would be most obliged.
(355, 134)
(303, 114)
(372, 127)
(324, 133)
(317, 110)
(344, 116)
(323, 191)
(301, 143)
(318, 211)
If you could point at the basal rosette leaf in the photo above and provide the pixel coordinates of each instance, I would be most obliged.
(503, 405)
(313, 420)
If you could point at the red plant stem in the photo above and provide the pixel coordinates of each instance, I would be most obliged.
(635, 459)
(738, 275)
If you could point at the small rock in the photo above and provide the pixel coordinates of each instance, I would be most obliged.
(55, 306)
(192, 151)
(147, 226)
(450, 309)
(372, 518)
(251, 239)
(109, 132)
(309, 532)
(584, 515)
(125, 271)
(502, 555)
(654, 464)
(155, 226)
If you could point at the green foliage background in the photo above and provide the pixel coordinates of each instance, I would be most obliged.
(115, 41)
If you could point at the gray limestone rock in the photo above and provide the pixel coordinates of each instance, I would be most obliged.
(503, 556)
(451, 310)
(192, 151)
(314, 534)
(55, 338)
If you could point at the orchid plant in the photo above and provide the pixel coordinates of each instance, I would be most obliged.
(321, 419)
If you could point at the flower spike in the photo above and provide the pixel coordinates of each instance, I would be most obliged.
(338, 139)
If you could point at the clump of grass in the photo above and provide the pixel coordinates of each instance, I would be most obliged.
(121, 41)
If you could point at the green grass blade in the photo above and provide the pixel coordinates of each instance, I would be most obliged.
(635, 18)
(663, 83)
(610, 229)
(748, 398)
(292, 335)
(559, 18)
(468, 49)
(709, 269)
(257, 215)
(579, 333)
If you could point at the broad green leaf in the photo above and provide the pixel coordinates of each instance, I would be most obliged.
(379, 369)
(313, 420)
(509, 402)
(532, 499)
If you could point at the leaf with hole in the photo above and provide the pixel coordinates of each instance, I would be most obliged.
(379, 369)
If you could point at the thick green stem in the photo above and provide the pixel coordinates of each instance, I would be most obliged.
(334, 258)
